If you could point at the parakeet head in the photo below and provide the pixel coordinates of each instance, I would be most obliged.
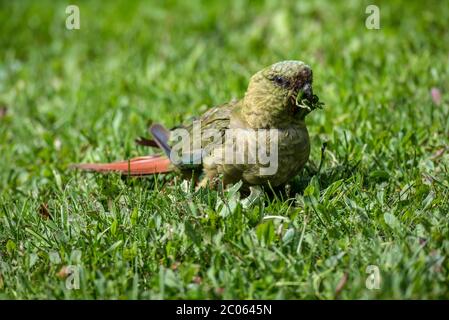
(279, 89)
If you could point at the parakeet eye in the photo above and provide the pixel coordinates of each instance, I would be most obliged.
(281, 81)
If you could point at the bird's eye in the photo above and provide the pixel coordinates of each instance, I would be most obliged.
(281, 81)
(278, 80)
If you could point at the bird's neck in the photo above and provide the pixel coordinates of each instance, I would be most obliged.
(265, 112)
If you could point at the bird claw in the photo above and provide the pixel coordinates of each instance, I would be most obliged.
(254, 196)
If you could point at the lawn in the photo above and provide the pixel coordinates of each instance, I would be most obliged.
(377, 208)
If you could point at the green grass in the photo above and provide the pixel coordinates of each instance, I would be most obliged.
(381, 197)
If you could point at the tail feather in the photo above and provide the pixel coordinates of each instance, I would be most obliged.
(142, 141)
(161, 136)
(135, 167)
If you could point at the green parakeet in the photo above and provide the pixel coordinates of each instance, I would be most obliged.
(268, 120)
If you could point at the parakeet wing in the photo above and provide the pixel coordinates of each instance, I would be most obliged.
(216, 119)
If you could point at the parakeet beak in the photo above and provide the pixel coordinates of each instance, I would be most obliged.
(307, 92)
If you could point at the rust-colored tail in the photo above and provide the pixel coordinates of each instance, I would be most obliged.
(135, 167)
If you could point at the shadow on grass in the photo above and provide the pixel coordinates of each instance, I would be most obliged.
(325, 179)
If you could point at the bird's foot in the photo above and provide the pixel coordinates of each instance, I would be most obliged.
(256, 194)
